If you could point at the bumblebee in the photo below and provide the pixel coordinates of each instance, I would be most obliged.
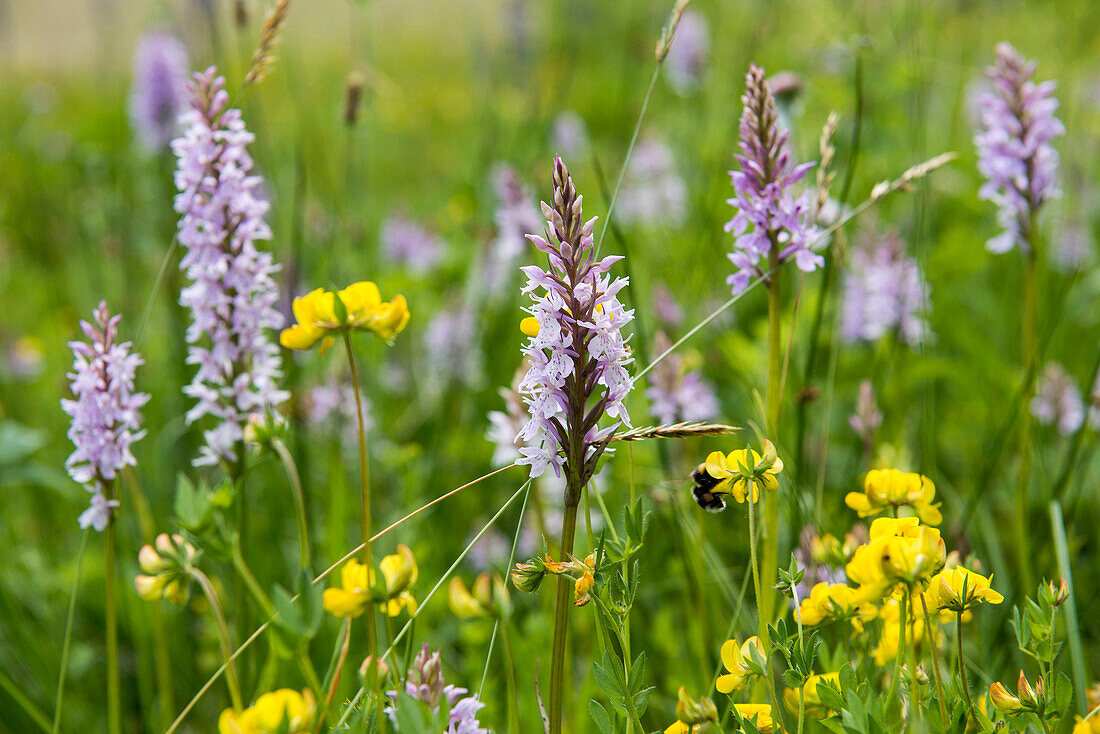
(704, 490)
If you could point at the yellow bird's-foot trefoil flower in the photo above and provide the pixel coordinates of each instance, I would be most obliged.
(884, 489)
(831, 602)
(958, 589)
(360, 587)
(759, 714)
(735, 474)
(285, 711)
(528, 576)
(488, 597)
(900, 551)
(359, 307)
(744, 661)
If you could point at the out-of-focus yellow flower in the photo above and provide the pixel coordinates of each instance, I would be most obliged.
(529, 326)
(358, 586)
(285, 711)
(361, 308)
(890, 612)
(814, 706)
(832, 602)
(958, 589)
(899, 551)
(758, 713)
(487, 597)
(738, 658)
(1086, 726)
(886, 488)
(739, 469)
(679, 727)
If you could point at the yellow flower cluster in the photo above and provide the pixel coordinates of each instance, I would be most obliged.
(358, 587)
(890, 489)
(733, 472)
(360, 308)
(958, 589)
(759, 713)
(744, 661)
(285, 711)
(829, 602)
(899, 551)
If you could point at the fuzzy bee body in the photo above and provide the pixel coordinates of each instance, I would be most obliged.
(703, 491)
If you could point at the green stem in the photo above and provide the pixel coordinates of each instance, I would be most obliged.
(68, 634)
(513, 689)
(962, 666)
(903, 624)
(110, 577)
(935, 661)
(1023, 545)
(364, 477)
(299, 501)
(561, 620)
(29, 708)
(223, 638)
(770, 561)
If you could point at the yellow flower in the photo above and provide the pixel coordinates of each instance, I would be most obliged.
(728, 469)
(529, 326)
(736, 658)
(886, 488)
(957, 589)
(286, 711)
(1005, 702)
(758, 713)
(354, 593)
(679, 727)
(835, 601)
(467, 605)
(814, 706)
(358, 588)
(899, 551)
(1090, 726)
(361, 308)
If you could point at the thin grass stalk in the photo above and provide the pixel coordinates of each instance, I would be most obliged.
(304, 555)
(962, 666)
(223, 637)
(364, 479)
(446, 575)
(1073, 630)
(935, 661)
(68, 635)
(37, 715)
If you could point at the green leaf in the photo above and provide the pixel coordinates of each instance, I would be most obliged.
(601, 717)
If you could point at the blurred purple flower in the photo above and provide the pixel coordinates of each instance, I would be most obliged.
(569, 135)
(675, 394)
(1057, 400)
(687, 58)
(666, 307)
(579, 319)
(425, 683)
(450, 342)
(867, 418)
(159, 93)
(106, 420)
(333, 402)
(768, 214)
(652, 192)
(884, 290)
(410, 244)
(232, 293)
(1014, 151)
(516, 216)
